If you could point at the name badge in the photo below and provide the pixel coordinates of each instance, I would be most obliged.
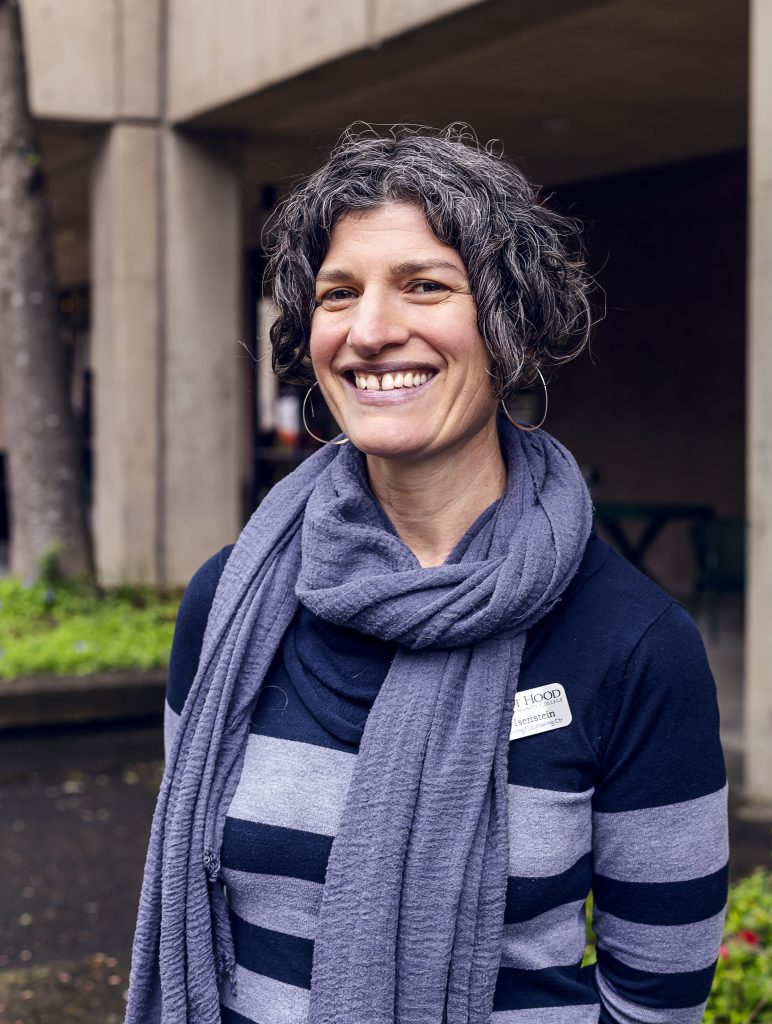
(539, 710)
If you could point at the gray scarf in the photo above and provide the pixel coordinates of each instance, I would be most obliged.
(412, 913)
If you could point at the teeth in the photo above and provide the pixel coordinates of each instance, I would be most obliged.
(390, 382)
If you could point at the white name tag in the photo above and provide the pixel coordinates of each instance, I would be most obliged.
(540, 709)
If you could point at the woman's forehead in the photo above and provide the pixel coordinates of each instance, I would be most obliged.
(394, 228)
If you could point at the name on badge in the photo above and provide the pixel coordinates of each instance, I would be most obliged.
(539, 710)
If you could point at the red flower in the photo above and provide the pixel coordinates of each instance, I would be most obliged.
(749, 937)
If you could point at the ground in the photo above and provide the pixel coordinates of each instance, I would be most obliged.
(76, 806)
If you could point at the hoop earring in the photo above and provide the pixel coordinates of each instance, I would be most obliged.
(305, 424)
(529, 426)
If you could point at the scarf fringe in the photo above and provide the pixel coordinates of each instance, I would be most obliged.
(224, 949)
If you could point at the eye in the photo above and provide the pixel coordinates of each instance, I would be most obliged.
(335, 297)
(428, 288)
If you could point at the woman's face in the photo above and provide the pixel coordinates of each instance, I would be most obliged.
(394, 339)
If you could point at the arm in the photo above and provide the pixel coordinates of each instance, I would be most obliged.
(660, 845)
(188, 638)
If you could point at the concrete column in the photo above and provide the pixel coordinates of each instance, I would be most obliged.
(170, 390)
(125, 339)
(758, 676)
(204, 390)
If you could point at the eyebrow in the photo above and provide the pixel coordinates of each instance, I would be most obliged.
(419, 266)
(397, 269)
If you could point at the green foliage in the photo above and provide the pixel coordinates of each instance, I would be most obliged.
(589, 948)
(48, 565)
(742, 987)
(54, 628)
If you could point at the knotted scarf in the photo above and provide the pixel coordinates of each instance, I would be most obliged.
(412, 913)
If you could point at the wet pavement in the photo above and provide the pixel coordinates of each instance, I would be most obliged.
(75, 806)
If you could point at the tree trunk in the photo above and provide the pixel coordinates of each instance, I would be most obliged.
(47, 498)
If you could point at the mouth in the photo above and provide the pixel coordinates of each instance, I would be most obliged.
(396, 380)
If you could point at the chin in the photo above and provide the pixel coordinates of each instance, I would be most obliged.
(382, 446)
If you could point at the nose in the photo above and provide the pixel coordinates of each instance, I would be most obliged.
(377, 323)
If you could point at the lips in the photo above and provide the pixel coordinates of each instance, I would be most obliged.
(389, 386)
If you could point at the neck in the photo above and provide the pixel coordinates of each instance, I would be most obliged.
(433, 502)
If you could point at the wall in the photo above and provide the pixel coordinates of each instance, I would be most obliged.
(659, 408)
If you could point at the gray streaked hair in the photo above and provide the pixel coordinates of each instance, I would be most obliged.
(524, 261)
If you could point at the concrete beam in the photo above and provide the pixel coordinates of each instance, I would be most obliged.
(213, 59)
(70, 55)
(392, 17)
(93, 60)
(138, 56)
(359, 51)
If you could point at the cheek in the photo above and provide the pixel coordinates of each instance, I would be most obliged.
(470, 352)
(322, 345)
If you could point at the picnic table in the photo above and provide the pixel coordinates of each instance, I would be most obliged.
(655, 516)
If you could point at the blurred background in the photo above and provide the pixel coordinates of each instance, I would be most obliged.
(164, 132)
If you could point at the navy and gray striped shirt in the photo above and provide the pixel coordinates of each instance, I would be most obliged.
(628, 801)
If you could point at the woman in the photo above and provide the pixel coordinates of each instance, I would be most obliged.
(429, 709)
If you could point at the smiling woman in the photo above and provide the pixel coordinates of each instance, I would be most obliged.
(420, 710)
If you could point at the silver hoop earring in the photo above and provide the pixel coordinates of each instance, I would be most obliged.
(529, 426)
(305, 424)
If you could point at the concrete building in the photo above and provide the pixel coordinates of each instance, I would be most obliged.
(169, 126)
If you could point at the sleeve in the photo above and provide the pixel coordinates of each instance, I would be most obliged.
(188, 638)
(660, 843)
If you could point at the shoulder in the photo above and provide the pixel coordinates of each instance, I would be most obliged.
(191, 624)
(626, 640)
(622, 590)
(635, 622)
(609, 607)
(203, 584)
(638, 613)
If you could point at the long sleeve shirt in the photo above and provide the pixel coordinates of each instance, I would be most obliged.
(616, 786)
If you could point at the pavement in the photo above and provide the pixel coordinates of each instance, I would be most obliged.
(76, 803)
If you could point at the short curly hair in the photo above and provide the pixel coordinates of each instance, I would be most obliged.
(525, 262)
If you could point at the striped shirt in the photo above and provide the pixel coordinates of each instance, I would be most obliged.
(628, 800)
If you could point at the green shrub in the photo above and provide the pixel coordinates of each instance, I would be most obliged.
(53, 628)
(742, 987)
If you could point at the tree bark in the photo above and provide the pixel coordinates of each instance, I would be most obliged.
(47, 496)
